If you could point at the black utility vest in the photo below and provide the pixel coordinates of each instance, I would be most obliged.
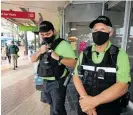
(53, 68)
(98, 77)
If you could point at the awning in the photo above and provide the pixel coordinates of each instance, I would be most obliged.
(44, 10)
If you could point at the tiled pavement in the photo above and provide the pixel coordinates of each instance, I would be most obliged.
(18, 93)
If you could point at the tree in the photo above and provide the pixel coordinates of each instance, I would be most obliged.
(13, 28)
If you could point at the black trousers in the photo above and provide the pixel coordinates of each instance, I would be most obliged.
(55, 93)
(114, 110)
(9, 58)
(81, 113)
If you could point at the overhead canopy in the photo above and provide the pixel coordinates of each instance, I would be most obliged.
(44, 10)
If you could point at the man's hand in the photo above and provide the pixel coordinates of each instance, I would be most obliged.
(88, 103)
(43, 49)
(91, 112)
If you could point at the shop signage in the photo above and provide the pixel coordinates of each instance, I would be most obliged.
(17, 14)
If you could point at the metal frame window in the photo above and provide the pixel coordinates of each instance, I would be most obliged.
(126, 26)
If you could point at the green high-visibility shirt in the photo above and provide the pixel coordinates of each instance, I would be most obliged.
(123, 72)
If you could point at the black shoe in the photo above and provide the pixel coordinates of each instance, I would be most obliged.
(13, 68)
(16, 66)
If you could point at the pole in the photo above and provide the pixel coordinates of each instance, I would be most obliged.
(35, 41)
(26, 43)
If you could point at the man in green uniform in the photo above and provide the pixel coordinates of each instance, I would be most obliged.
(102, 73)
(54, 55)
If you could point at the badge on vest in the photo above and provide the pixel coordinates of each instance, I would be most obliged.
(100, 74)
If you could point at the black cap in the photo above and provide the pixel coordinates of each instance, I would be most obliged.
(45, 26)
(101, 19)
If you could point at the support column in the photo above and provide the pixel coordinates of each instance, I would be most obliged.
(26, 43)
(63, 24)
(103, 8)
(35, 41)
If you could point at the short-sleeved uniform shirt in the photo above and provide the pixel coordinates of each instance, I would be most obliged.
(63, 49)
(123, 72)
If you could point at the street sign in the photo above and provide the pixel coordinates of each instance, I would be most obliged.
(17, 14)
(28, 28)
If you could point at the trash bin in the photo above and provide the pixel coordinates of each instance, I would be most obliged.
(37, 79)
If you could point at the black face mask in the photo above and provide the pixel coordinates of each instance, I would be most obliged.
(49, 40)
(100, 38)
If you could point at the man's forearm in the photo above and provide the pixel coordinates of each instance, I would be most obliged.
(112, 93)
(35, 56)
(79, 86)
(69, 62)
(66, 61)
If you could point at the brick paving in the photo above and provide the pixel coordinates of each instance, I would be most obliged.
(18, 93)
(13, 95)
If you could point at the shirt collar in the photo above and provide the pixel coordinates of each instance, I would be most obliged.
(94, 47)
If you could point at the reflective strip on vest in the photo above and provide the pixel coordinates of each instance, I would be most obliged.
(91, 68)
(107, 69)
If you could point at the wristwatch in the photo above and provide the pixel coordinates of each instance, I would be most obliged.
(60, 58)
